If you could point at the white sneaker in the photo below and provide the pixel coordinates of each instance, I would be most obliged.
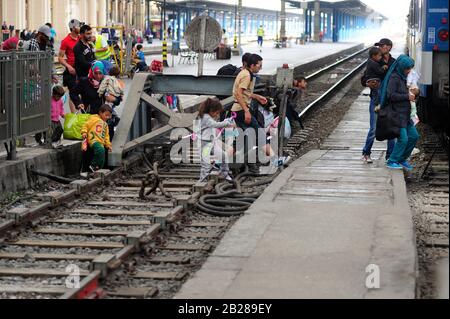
(367, 159)
(84, 175)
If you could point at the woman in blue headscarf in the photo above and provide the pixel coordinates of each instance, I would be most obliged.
(395, 93)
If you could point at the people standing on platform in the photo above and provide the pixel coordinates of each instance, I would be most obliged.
(10, 44)
(66, 57)
(42, 40)
(375, 72)
(260, 34)
(4, 26)
(395, 92)
(169, 32)
(84, 52)
(102, 51)
(96, 141)
(385, 46)
(139, 59)
(85, 94)
(52, 33)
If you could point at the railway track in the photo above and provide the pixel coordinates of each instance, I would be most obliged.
(429, 197)
(100, 238)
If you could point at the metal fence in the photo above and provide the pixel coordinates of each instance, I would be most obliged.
(25, 93)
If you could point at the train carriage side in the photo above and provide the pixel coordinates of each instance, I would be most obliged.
(428, 45)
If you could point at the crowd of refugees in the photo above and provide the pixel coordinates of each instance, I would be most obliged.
(95, 88)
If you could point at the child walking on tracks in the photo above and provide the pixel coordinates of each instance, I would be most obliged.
(209, 112)
(96, 140)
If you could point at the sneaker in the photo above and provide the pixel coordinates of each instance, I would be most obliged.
(395, 166)
(281, 161)
(407, 166)
(91, 169)
(84, 175)
(367, 159)
(228, 178)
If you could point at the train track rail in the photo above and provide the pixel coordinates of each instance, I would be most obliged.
(99, 238)
(429, 198)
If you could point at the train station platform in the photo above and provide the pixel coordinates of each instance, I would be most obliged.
(295, 56)
(317, 228)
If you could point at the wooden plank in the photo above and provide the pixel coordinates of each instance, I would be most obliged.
(35, 290)
(133, 292)
(435, 210)
(80, 232)
(205, 225)
(35, 272)
(136, 196)
(108, 222)
(114, 212)
(439, 230)
(130, 204)
(160, 275)
(437, 242)
(67, 244)
(137, 190)
(170, 260)
(198, 235)
(47, 256)
(187, 247)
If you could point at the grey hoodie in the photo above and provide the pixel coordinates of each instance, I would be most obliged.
(208, 127)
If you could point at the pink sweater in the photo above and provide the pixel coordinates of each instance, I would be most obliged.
(57, 110)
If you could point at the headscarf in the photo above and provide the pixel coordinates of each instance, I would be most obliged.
(96, 66)
(403, 63)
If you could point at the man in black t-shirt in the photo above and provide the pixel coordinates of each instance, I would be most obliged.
(84, 52)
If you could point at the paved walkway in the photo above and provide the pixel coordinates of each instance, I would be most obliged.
(315, 230)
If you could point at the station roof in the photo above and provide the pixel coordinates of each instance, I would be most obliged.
(353, 7)
(220, 6)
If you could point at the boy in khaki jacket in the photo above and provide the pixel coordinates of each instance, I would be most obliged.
(96, 136)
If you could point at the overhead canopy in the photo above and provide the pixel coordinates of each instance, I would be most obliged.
(352, 7)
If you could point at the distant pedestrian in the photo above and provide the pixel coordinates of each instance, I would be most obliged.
(66, 57)
(84, 52)
(52, 33)
(4, 26)
(395, 92)
(260, 34)
(169, 32)
(42, 40)
(102, 51)
(10, 44)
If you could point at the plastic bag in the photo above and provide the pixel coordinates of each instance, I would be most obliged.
(287, 128)
(73, 124)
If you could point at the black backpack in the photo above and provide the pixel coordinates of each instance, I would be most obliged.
(228, 69)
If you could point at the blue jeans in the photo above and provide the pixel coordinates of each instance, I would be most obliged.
(371, 135)
(405, 144)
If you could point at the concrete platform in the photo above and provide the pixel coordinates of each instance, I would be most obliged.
(317, 228)
(295, 56)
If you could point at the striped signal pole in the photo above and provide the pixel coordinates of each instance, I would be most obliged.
(164, 53)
